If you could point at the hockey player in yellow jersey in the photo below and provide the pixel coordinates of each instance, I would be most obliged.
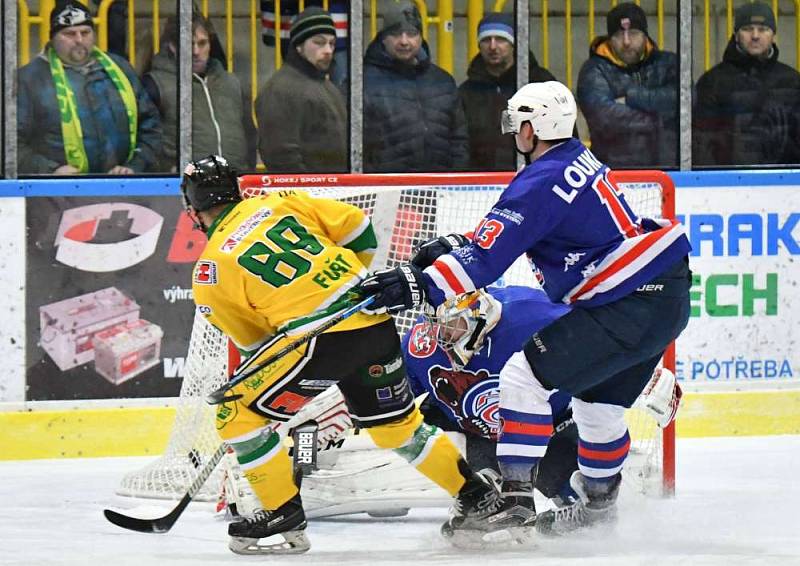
(274, 266)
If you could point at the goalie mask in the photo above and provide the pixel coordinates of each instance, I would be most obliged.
(462, 323)
(207, 183)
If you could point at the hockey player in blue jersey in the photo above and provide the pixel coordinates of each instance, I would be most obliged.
(456, 355)
(627, 279)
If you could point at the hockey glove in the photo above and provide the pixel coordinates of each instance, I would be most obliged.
(395, 289)
(427, 252)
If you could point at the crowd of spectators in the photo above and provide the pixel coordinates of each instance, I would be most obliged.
(83, 110)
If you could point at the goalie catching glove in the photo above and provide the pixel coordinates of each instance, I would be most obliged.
(395, 289)
(427, 252)
(661, 397)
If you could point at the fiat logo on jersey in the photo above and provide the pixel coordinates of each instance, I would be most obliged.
(483, 401)
(205, 273)
(375, 371)
(421, 344)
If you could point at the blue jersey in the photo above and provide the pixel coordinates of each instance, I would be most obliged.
(470, 397)
(585, 243)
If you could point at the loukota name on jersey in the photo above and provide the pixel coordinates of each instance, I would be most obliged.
(470, 397)
(587, 245)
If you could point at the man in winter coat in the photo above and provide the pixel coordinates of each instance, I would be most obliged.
(302, 118)
(491, 81)
(222, 122)
(628, 93)
(81, 110)
(413, 119)
(747, 106)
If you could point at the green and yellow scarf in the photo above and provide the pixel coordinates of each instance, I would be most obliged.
(70, 123)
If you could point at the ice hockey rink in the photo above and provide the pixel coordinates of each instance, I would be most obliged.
(737, 503)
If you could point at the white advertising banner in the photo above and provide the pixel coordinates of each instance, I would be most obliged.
(12, 299)
(745, 299)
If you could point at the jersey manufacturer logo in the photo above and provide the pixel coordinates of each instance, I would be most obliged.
(205, 272)
(421, 344)
(244, 229)
(572, 258)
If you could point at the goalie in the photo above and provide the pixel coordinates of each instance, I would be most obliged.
(455, 356)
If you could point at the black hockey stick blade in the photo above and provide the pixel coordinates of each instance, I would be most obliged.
(157, 525)
(164, 524)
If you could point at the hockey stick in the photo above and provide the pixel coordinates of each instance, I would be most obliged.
(244, 371)
(163, 524)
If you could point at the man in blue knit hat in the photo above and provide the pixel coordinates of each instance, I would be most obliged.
(491, 80)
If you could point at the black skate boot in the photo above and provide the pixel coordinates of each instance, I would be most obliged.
(288, 520)
(478, 498)
(595, 505)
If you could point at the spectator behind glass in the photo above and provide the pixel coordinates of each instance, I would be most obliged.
(413, 118)
(338, 9)
(746, 107)
(107, 123)
(302, 118)
(222, 122)
(628, 93)
(491, 81)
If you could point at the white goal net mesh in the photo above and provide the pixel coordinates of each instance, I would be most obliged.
(405, 210)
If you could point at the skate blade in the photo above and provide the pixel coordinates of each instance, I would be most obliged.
(474, 539)
(295, 542)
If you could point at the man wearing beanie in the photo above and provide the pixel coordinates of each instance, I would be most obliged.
(628, 93)
(413, 119)
(491, 81)
(747, 107)
(81, 110)
(302, 117)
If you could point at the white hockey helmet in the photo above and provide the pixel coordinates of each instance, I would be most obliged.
(548, 106)
(461, 324)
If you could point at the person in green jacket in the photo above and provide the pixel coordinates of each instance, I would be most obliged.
(222, 122)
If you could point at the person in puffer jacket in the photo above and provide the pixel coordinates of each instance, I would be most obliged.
(628, 93)
(748, 106)
(413, 119)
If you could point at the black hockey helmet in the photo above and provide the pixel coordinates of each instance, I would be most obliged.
(208, 182)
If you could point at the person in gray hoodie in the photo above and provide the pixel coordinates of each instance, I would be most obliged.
(222, 122)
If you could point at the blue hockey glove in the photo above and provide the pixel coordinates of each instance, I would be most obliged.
(395, 289)
(427, 252)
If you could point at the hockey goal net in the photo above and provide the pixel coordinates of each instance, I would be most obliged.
(405, 210)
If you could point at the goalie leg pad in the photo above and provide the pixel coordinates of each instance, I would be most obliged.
(425, 447)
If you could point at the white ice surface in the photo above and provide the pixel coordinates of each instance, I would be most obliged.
(737, 503)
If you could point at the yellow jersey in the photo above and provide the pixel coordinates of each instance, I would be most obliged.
(283, 262)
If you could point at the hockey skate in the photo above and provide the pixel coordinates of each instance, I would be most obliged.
(510, 518)
(594, 506)
(479, 497)
(288, 521)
